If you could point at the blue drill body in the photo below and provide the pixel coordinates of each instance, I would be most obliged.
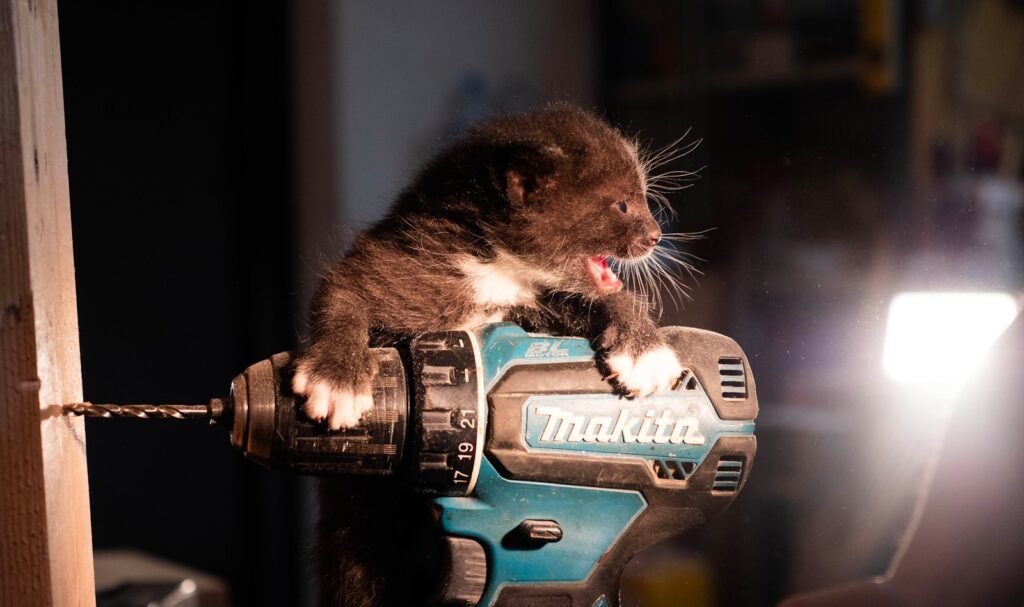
(670, 433)
(546, 482)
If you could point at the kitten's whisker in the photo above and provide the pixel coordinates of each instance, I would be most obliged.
(655, 275)
(650, 291)
(662, 203)
(677, 255)
(656, 158)
(675, 154)
(679, 174)
(677, 290)
(655, 287)
(687, 236)
(664, 180)
(667, 186)
(650, 269)
(690, 269)
(631, 272)
(682, 257)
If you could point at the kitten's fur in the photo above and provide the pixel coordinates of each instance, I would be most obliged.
(514, 222)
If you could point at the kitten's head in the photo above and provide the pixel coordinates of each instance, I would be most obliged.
(576, 192)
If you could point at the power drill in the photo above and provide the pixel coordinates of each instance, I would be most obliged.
(546, 482)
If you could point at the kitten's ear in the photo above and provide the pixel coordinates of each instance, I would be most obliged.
(519, 186)
(531, 170)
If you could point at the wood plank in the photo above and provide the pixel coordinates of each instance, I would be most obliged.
(45, 536)
(314, 83)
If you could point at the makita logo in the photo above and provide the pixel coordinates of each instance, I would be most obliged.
(653, 427)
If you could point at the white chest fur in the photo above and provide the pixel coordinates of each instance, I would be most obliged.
(504, 282)
(481, 318)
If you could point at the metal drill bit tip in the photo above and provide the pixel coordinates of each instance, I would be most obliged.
(137, 411)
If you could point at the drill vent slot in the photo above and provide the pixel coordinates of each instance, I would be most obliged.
(688, 381)
(671, 469)
(432, 344)
(729, 474)
(730, 370)
(437, 375)
(435, 420)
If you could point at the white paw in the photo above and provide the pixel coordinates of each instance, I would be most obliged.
(340, 408)
(654, 371)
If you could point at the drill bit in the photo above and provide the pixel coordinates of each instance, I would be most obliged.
(146, 411)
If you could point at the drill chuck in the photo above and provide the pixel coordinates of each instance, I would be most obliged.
(266, 425)
(433, 413)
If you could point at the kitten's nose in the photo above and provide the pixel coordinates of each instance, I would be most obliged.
(653, 237)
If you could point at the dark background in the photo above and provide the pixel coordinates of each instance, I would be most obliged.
(218, 152)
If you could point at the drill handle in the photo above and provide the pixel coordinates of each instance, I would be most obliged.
(600, 591)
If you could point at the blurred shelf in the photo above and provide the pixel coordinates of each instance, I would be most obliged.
(740, 80)
(826, 71)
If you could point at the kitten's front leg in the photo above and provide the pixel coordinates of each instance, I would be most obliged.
(637, 361)
(336, 371)
(632, 355)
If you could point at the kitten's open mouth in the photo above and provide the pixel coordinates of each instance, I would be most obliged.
(604, 278)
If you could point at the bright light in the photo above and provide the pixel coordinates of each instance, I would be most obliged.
(939, 338)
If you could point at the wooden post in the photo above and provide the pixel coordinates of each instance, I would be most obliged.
(45, 538)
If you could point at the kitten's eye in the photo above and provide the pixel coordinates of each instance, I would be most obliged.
(622, 206)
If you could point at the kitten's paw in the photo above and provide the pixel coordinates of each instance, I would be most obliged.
(653, 371)
(338, 407)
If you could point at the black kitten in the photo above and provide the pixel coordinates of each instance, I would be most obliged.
(518, 221)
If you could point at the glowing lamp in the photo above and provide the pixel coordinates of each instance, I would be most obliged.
(939, 338)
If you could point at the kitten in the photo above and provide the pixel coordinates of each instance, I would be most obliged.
(525, 219)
